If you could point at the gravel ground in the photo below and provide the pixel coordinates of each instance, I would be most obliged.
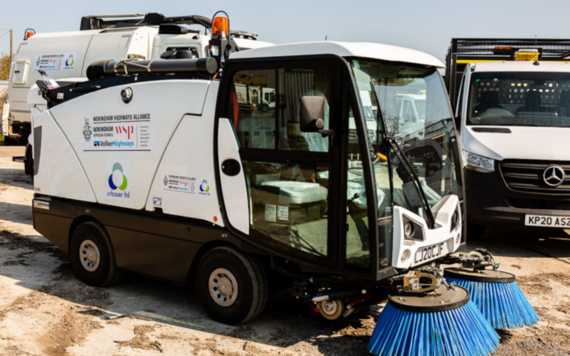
(45, 310)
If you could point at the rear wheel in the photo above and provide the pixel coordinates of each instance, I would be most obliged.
(474, 231)
(92, 255)
(29, 162)
(232, 286)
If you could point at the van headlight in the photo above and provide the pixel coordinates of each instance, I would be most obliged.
(478, 163)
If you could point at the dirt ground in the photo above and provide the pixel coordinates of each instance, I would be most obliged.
(45, 310)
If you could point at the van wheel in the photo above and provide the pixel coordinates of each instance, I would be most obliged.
(232, 286)
(474, 232)
(92, 255)
(264, 108)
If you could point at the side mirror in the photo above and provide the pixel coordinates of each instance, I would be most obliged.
(312, 113)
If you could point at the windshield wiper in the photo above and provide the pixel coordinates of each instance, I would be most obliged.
(407, 164)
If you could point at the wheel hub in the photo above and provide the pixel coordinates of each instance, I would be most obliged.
(223, 287)
(89, 255)
(329, 307)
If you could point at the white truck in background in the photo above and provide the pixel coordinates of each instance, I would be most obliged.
(65, 56)
(512, 101)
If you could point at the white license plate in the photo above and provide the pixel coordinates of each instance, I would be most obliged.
(431, 252)
(547, 221)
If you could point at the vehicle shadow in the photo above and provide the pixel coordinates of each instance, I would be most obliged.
(15, 178)
(284, 323)
(16, 213)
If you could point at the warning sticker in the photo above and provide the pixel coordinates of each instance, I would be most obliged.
(179, 183)
(117, 132)
(270, 212)
(57, 61)
(283, 212)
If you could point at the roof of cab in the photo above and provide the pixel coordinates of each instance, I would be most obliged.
(521, 66)
(344, 49)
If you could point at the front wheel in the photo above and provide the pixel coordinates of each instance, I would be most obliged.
(231, 286)
(92, 255)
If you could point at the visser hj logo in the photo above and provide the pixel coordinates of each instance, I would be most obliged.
(87, 132)
(117, 168)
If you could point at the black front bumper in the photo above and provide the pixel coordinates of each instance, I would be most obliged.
(491, 203)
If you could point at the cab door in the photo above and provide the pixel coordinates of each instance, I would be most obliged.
(281, 187)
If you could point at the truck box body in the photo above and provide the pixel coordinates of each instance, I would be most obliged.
(64, 55)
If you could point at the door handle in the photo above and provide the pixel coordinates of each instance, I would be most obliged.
(231, 167)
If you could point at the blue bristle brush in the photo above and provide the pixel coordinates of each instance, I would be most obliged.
(494, 292)
(442, 323)
(497, 296)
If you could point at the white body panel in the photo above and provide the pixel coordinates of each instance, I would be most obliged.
(233, 188)
(177, 98)
(189, 155)
(440, 235)
(60, 172)
(345, 49)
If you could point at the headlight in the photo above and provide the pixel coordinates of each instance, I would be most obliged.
(478, 163)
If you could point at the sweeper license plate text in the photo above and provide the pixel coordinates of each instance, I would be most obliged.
(546, 221)
(431, 252)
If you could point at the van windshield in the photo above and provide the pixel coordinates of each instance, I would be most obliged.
(416, 110)
(519, 99)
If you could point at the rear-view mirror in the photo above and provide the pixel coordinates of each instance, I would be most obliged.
(312, 113)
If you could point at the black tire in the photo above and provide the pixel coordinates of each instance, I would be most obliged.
(474, 232)
(264, 108)
(29, 162)
(105, 272)
(251, 285)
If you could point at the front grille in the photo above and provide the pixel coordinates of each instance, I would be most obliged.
(527, 176)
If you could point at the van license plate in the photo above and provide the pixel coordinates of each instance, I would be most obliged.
(547, 221)
(431, 252)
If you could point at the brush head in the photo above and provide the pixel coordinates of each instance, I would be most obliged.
(442, 299)
(419, 324)
(497, 296)
(484, 275)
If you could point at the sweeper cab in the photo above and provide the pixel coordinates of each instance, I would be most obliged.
(158, 168)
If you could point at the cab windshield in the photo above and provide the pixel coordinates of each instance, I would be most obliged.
(519, 99)
(417, 114)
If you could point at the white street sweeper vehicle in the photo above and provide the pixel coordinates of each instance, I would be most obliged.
(68, 55)
(154, 167)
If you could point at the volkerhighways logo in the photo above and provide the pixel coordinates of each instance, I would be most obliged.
(118, 182)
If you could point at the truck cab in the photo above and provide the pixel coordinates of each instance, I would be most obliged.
(512, 116)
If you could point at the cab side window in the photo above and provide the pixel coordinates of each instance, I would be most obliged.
(286, 170)
(268, 108)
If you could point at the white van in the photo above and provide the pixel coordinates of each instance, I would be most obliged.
(513, 115)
